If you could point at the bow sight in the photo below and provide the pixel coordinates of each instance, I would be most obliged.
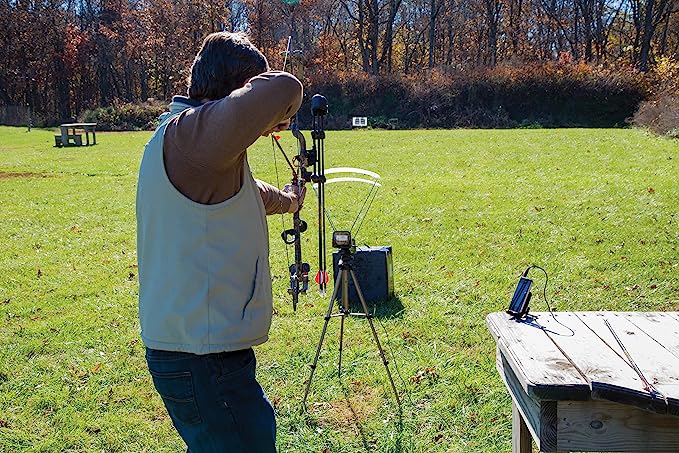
(308, 166)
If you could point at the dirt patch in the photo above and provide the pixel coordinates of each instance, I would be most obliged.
(357, 408)
(26, 174)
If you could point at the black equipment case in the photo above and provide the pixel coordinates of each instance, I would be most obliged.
(374, 271)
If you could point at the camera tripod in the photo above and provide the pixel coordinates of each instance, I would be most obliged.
(342, 284)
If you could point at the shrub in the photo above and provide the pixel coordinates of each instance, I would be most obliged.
(556, 94)
(666, 76)
(660, 114)
(126, 116)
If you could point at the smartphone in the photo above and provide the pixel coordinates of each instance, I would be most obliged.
(518, 307)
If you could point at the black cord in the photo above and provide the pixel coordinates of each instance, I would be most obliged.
(544, 295)
(544, 288)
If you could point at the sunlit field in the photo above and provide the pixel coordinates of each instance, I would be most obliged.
(465, 212)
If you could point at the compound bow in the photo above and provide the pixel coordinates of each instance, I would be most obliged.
(301, 174)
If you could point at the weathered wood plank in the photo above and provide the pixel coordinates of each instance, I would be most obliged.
(605, 426)
(521, 437)
(673, 314)
(595, 322)
(542, 370)
(529, 408)
(548, 425)
(539, 416)
(610, 376)
(659, 366)
(662, 327)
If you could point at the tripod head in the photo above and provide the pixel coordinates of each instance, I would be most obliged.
(343, 241)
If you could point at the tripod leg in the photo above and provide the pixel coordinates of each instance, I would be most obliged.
(320, 342)
(341, 339)
(377, 340)
(344, 311)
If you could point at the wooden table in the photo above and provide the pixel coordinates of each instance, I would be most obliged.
(69, 137)
(573, 386)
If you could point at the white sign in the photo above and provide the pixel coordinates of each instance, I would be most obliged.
(359, 121)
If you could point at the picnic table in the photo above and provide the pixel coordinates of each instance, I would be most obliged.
(70, 137)
(591, 381)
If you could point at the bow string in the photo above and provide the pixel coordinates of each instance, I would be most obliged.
(306, 166)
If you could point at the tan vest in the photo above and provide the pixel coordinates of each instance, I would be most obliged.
(204, 279)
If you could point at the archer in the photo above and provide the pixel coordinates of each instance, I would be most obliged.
(204, 280)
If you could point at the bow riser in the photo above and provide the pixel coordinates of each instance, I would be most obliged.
(300, 164)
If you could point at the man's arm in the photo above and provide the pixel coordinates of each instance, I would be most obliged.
(218, 132)
(280, 201)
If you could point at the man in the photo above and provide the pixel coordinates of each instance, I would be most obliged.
(202, 245)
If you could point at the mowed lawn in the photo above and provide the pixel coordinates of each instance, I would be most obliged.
(465, 212)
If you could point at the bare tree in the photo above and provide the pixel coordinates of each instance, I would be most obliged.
(647, 15)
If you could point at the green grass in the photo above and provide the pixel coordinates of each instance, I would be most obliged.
(465, 211)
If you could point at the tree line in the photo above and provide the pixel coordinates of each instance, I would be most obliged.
(61, 57)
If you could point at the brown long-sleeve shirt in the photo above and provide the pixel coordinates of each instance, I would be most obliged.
(204, 147)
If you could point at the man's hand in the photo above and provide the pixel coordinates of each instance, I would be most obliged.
(283, 125)
(298, 196)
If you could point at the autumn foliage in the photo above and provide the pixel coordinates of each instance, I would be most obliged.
(426, 63)
(544, 95)
(660, 113)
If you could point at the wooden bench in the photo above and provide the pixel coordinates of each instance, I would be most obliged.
(574, 386)
(70, 137)
(72, 140)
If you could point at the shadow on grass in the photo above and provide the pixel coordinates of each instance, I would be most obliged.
(382, 309)
(387, 309)
(351, 413)
(367, 444)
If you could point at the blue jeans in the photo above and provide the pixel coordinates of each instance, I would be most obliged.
(214, 400)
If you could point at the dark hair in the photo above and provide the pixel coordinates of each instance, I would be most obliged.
(225, 61)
